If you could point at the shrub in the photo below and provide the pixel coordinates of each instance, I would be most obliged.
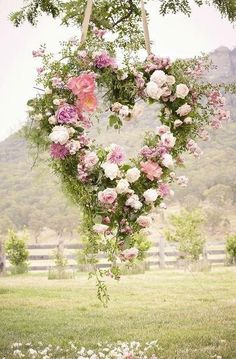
(187, 232)
(17, 252)
(231, 248)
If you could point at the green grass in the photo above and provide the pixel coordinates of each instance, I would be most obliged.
(191, 315)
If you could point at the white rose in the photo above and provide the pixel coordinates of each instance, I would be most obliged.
(38, 117)
(168, 140)
(153, 90)
(177, 123)
(124, 111)
(159, 77)
(170, 80)
(160, 130)
(167, 160)
(133, 174)
(111, 170)
(59, 134)
(150, 195)
(182, 91)
(48, 91)
(188, 120)
(56, 102)
(122, 186)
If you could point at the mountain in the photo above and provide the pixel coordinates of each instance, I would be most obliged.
(31, 196)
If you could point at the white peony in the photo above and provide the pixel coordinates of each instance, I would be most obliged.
(134, 202)
(133, 174)
(59, 134)
(159, 77)
(153, 90)
(150, 195)
(111, 170)
(182, 91)
(122, 186)
(167, 160)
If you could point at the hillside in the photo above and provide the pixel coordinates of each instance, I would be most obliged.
(32, 197)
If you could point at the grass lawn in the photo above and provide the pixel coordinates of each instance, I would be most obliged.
(192, 315)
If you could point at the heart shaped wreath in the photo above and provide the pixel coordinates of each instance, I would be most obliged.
(117, 194)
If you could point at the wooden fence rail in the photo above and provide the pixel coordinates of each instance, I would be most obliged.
(161, 255)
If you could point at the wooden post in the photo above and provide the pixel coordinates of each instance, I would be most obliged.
(2, 259)
(162, 252)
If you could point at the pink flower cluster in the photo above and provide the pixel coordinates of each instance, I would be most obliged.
(157, 63)
(193, 148)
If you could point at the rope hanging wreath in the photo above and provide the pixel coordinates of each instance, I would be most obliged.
(117, 194)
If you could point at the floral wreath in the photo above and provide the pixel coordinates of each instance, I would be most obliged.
(116, 194)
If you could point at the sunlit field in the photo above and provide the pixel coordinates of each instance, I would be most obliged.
(192, 315)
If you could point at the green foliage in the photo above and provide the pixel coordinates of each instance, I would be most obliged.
(227, 8)
(16, 251)
(122, 17)
(231, 247)
(59, 258)
(187, 233)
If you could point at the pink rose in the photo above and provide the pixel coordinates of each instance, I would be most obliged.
(100, 228)
(144, 221)
(151, 169)
(184, 110)
(108, 196)
(82, 84)
(90, 160)
(87, 102)
(129, 254)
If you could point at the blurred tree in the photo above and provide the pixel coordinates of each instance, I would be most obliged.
(219, 195)
(186, 231)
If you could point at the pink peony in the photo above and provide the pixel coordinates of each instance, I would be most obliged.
(164, 190)
(83, 84)
(108, 196)
(59, 151)
(151, 169)
(104, 60)
(116, 155)
(66, 114)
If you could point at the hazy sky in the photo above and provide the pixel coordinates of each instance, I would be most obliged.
(173, 35)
